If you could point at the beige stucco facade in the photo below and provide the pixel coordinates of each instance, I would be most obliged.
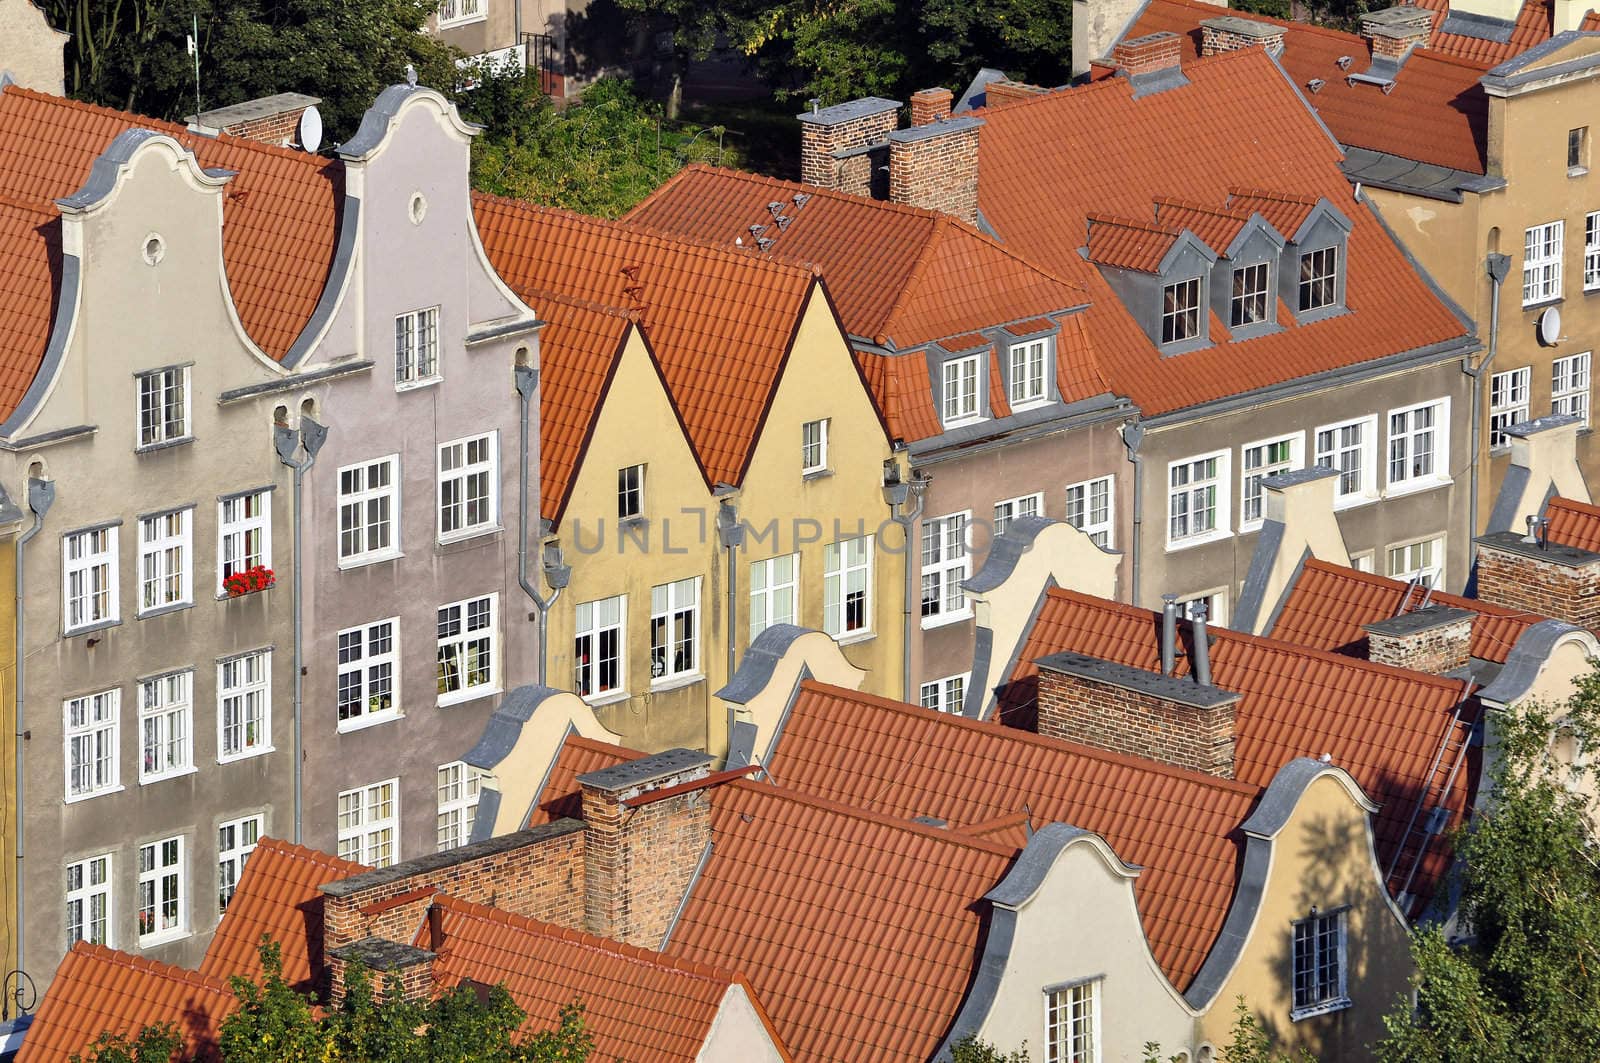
(737, 1034)
(31, 50)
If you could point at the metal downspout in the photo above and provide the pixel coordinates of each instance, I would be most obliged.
(730, 532)
(41, 495)
(1498, 266)
(919, 490)
(527, 384)
(288, 441)
(1132, 436)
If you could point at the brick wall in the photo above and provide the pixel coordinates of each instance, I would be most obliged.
(279, 129)
(1436, 650)
(1393, 47)
(1142, 55)
(1136, 723)
(1565, 592)
(639, 861)
(818, 143)
(938, 172)
(930, 105)
(1001, 92)
(413, 981)
(1216, 41)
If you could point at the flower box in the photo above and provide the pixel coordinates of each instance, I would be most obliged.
(248, 581)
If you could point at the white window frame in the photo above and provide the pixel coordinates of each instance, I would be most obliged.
(1363, 562)
(1244, 302)
(242, 701)
(458, 786)
(961, 390)
(1321, 997)
(371, 670)
(1062, 1018)
(671, 604)
(1591, 251)
(1365, 451)
(366, 504)
(166, 879)
(1541, 262)
(452, 497)
(166, 560)
(1185, 322)
(841, 569)
(1250, 489)
(462, 12)
(1410, 570)
(593, 624)
(88, 890)
(1220, 481)
(369, 823)
(1570, 379)
(1029, 362)
(470, 631)
(240, 518)
(1082, 511)
(1315, 284)
(98, 743)
(95, 566)
(768, 586)
(630, 492)
(814, 447)
(1216, 604)
(1409, 435)
(1009, 509)
(1508, 402)
(946, 562)
(946, 694)
(153, 425)
(236, 840)
(166, 726)
(416, 348)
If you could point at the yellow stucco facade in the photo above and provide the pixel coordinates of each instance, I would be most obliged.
(8, 748)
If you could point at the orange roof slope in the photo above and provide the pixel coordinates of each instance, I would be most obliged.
(904, 761)
(97, 990)
(1383, 725)
(639, 1005)
(1328, 605)
(719, 320)
(1532, 26)
(1574, 523)
(859, 933)
(561, 796)
(1238, 123)
(1436, 113)
(280, 212)
(277, 896)
(28, 265)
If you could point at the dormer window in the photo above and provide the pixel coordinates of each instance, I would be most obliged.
(1248, 303)
(959, 389)
(1028, 372)
(1180, 311)
(1319, 278)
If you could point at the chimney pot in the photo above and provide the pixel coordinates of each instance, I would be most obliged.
(935, 167)
(1150, 53)
(1201, 659)
(835, 142)
(1541, 577)
(930, 105)
(1231, 33)
(1169, 633)
(1393, 32)
(1436, 640)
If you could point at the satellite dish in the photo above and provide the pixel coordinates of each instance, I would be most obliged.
(1550, 326)
(310, 129)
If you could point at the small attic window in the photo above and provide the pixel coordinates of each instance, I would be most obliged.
(1319, 278)
(1180, 311)
(1249, 302)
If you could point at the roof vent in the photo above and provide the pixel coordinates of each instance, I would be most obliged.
(801, 199)
(783, 221)
(1315, 85)
(764, 242)
(775, 207)
(1344, 62)
(757, 230)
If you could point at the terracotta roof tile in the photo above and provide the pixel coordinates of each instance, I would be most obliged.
(561, 797)
(899, 384)
(1127, 244)
(28, 268)
(1217, 227)
(97, 990)
(1574, 523)
(1533, 26)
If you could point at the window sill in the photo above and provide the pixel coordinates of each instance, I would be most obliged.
(610, 697)
(417, 385)
(1416, 487)
(1577, 171)
(675, 682)
(457, 23)
(1246, 527)
(1311, 1011)
(90, 629)
(815, 474)
(165, 444)
(163, 610)
(854, 637)
(226, 597)
(361, 723)
(166, 937)
(945, 619)
(951, 426)
(73, 799)
(1175, 545)
(1540, 304)
(349, 563)
(249, 754)
(461, 697)
(1030, 404)
(1355, 501)
(468, 536)
(148, 780)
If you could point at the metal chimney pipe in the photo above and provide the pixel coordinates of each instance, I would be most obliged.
(1201, 659)
(1169, 632)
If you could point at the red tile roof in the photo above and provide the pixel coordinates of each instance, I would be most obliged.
(28, 266)
(1236, 124)
(900, 387)
(1574, 523)
(719, 320)
(1218, 227)
(1328, 605)
(280, 212)
(639, 1005)
(1533, 26)
(1127, 244)
(561, 796)
(904, 761)
(1383, 725)
(97, 990)
(277, 896)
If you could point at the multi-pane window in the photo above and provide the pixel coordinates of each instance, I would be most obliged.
(960, 389)
(236, 840)
(460, 10)
(1417, 444)
(459, 784)
(1260, 461)
(774, 592)
(244, 705)
(416, 346)
(369, 507)
(630, 492)
(89, 577)
(466, 649)
(1211, 606)
(1196, 496)
(468, 482)
(1569, 385)
(945, 695)
(1319, 278)
(89, 900)
(1319, 969)
(597, 650)
(166, 561)
(1577, 149)
(166, 726)
(1591, 251)
(847, 587)
(944, 565)
(1180, 310)
(163, 405)
(1346, 447)
(1541, 263)
(1248, 303)
(93, 723)
(1508, 403)
(369, 823)
(814, 446)
(244, 534)
(161, 893)
(1422, 561)
(1071, 1020)
(368, 656)
(1089, 509)
(1028, 371)
(1009, 510)
(675, 629)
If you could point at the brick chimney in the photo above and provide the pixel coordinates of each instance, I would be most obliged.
(1140, 713)
(1436, 640)
(936, 166)
(1539, 576)
(648, 825)
(837, 143)
(930, 105)
(1230, 33)
(1395, 31)
(1148, 54)
(271, 119)
(397, 970)
(997, 93)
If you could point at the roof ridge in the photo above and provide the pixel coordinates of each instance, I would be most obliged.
(1155, 227)
(1201, 208)
(599, 746)
(912, 277)
(1345, 572)
(551, 295)
(316, 856)
(1573, 505)
(22, 205)
(1246, 192)
(149, 966)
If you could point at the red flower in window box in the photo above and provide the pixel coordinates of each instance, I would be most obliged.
(249, 580)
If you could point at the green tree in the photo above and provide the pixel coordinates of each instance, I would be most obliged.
(1525, 982)
(695, 27)
(971, 1050)
(153, 1044)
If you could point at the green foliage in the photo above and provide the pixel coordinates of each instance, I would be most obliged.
(971, 1050)
(153, 1044)
(1249, 1043)
(1526, 984)
(1271, 8)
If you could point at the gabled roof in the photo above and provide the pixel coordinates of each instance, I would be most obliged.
(98, 990)
(720, 320)
(561, 797)
(1178, 826)
(1573, 523)
(1217, 226)
(1533, 25)
(1124, 243)
(638, 1004)
(1237, 123)
(1383, 725)
(29, 264)
(278, 895)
